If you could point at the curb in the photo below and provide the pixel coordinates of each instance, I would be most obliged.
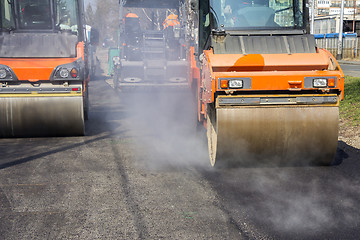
(348, 62)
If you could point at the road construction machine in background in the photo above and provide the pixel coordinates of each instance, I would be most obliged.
(150, 53)
(43, 68)
(265, 91)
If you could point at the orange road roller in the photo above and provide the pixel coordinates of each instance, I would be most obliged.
(43, 68)
(265, 92)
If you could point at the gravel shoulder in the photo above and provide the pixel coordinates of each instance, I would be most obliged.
(349, 134)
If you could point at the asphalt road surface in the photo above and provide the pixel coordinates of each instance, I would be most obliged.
(350, 68)
(142, 173)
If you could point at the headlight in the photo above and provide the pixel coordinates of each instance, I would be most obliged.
(320, 82)
(7, 74)
(3, 73)
(68, 72)
(64, 73)
(235, 83)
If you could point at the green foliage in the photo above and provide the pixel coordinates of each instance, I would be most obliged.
(350, 106)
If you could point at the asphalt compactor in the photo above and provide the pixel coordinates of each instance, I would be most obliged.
(43, 73)
(266, 93)
(151, 54)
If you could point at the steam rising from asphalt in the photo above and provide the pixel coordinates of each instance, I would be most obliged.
(163, 126)
(289, 202)
(164, 123)
(290, 209)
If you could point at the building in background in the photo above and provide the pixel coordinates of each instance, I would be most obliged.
(327, 16)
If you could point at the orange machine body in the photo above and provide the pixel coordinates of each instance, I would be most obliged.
(269, 73)
(39, 69)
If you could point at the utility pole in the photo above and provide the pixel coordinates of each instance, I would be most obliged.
(354, 1)
(122, 3)
(340, 39)
(312, 16)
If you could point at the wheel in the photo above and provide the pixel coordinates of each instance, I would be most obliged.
(241, 136)
(211, 134)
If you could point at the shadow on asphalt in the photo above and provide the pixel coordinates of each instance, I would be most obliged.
(345, 151)
(103, 123)
(340, 153)
(47, 153)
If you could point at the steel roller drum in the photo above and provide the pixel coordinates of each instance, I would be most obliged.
(273, 135)
(41, 116)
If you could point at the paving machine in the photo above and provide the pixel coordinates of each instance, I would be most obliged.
(148, 56)
(265, 91)
(43, 68)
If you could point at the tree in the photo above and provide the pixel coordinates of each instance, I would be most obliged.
(89, 15)
(106, 18)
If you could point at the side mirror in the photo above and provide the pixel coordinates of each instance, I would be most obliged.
(194, 5)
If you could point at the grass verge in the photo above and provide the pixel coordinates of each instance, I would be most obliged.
(350, 106)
